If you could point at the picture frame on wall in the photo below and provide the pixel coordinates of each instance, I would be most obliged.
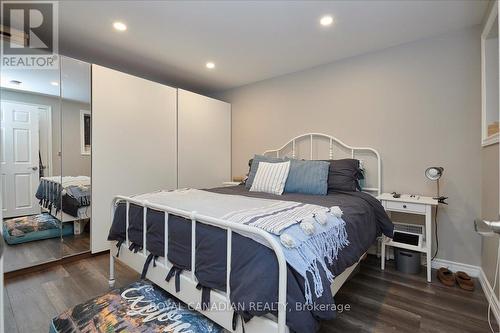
(85, 132)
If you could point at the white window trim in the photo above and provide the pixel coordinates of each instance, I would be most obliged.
(485, 139)
(82, 132)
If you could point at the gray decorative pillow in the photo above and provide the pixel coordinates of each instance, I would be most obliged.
(344, 175)
(308, 177)
(255, 166)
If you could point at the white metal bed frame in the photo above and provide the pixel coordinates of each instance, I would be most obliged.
(332, 141)
(79, 222)
(189, 294)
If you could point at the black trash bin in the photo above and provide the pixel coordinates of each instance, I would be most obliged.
(407, 261)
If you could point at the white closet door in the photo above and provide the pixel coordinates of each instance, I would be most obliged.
(204, 127)
(134, 142)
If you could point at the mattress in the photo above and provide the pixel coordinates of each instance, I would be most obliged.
(254, 268)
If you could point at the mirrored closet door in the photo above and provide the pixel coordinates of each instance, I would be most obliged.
(30, 157)
(76, 156)
(45, 160)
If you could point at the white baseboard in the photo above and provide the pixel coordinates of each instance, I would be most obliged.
(474, 271)
(490, 295)
(453, 266)
(477, 272)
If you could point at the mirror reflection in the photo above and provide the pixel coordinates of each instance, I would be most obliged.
(45, 163)
(76, 156)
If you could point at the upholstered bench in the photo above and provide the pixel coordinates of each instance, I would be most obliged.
(140, 307)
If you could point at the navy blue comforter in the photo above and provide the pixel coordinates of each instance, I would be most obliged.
(254, 268)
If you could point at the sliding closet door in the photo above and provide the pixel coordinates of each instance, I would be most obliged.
(204, 127)
(134, 146)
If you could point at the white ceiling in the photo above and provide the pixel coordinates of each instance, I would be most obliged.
(73, 80)
(249, 41)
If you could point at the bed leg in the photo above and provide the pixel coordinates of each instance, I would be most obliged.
(111, 280)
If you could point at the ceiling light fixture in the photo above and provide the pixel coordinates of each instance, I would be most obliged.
(15, 82)
(326, 20)
(120, 26)
(210, 65)
(54, 83)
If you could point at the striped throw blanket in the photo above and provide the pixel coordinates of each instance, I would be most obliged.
(278, 216)
(311, 236)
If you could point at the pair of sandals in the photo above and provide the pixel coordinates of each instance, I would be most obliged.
(448, 278)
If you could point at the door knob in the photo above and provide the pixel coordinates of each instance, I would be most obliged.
(34, 168)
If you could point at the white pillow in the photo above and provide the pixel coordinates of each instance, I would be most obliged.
(271, 177)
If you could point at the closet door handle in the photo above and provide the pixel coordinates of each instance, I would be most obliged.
(486, 227)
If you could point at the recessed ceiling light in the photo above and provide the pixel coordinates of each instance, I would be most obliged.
(326, 20)
(210, 65)
(54, 83)
(120, 26)
(15, 82)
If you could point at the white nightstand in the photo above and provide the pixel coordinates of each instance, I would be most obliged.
(412, 205)
(231, 183)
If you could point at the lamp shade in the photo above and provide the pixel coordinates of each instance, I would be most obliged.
(434, 173)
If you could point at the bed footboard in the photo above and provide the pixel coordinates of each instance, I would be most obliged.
(189, 294)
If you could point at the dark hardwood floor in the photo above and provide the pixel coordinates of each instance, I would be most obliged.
(74, 244)
(386, 301)
(390, 301)
(32, 300)
(28, 254)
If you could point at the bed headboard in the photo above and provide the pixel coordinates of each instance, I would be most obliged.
(321, 146)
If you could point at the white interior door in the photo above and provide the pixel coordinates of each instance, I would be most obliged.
(19, 158)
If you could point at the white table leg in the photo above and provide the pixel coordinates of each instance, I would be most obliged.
(429, 268)
(77, 227)
(382, 254)
(428, 238)
(111, 280)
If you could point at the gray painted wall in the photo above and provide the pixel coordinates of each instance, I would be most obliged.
(73, 163)
(418, 104)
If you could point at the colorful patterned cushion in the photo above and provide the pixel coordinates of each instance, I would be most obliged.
(141, 307)
(34, 227)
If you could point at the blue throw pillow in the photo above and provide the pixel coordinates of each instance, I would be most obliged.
(255, 166)
(308, 177)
